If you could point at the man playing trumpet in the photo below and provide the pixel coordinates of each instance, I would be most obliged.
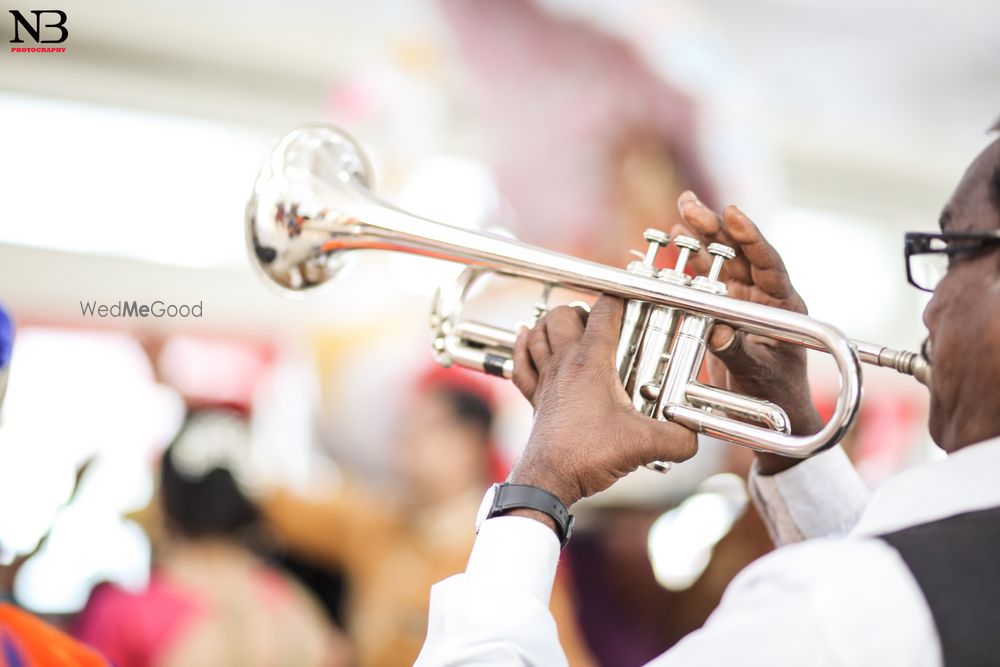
(905, 576)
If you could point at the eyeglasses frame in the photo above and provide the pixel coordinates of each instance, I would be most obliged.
(918, 243)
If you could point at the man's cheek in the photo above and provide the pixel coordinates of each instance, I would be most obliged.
(934, 421)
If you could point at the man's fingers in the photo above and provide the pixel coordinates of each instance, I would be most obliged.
(766, 266)
(538, 345)
(535, 347)
(744, 232)
(564, 326)
(701, 223)
(604, 325)
(525, 376)
(756, 263)
(701, 219)
(708, 227)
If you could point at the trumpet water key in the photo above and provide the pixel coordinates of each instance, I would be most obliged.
(313, 205)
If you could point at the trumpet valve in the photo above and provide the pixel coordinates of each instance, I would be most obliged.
(646, 264)
(711, 282)
(676, 275)
(656, 240)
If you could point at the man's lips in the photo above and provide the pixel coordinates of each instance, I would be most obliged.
(926, 349)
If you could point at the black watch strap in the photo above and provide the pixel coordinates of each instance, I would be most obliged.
(521, 496)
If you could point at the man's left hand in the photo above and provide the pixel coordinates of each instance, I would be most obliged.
(586, 433)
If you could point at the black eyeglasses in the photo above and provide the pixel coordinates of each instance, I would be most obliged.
(928, 256)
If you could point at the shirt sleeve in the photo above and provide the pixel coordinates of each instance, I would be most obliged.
(823, 603)
(497, 611)
(821, 497)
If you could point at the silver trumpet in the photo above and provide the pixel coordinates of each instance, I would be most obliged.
(313, 202)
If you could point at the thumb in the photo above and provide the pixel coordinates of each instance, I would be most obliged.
(665, 441)
(604, 325)
(729, 346)
(721, 338)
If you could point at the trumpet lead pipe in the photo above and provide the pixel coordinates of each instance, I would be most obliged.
(907, 363)
(902, 361)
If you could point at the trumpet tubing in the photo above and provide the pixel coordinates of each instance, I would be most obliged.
(312, 204)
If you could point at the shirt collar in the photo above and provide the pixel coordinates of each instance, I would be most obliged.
(967, 480)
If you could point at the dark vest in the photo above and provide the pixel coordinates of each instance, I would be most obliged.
(956, 562)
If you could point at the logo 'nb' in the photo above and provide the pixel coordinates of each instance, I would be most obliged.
(35, 31)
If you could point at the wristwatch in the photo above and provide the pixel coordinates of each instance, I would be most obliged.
(501, 498)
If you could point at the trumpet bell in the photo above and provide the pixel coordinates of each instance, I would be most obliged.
(294, 217)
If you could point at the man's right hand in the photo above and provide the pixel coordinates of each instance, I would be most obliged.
(746, 363)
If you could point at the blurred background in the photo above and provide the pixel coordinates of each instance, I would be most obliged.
(128, 160)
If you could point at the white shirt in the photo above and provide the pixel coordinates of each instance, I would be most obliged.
(832, 595)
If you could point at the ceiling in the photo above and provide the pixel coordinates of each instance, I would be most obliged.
(866, 109)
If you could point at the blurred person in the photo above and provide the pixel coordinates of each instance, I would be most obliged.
(588, 144)
(209, 601)
(26, 641)
(392, 549)
(906, 576)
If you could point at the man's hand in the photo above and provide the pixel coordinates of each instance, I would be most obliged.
(586, 433)
(747, 363)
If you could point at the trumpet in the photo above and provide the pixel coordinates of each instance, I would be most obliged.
(313, 203)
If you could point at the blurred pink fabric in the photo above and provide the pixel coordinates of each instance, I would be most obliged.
(133, 629)
(210, 604)
(558, 96)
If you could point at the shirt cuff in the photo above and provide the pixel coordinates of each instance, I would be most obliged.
(517, 554)
(822, 496)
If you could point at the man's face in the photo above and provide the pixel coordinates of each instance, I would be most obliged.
(963, 318)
